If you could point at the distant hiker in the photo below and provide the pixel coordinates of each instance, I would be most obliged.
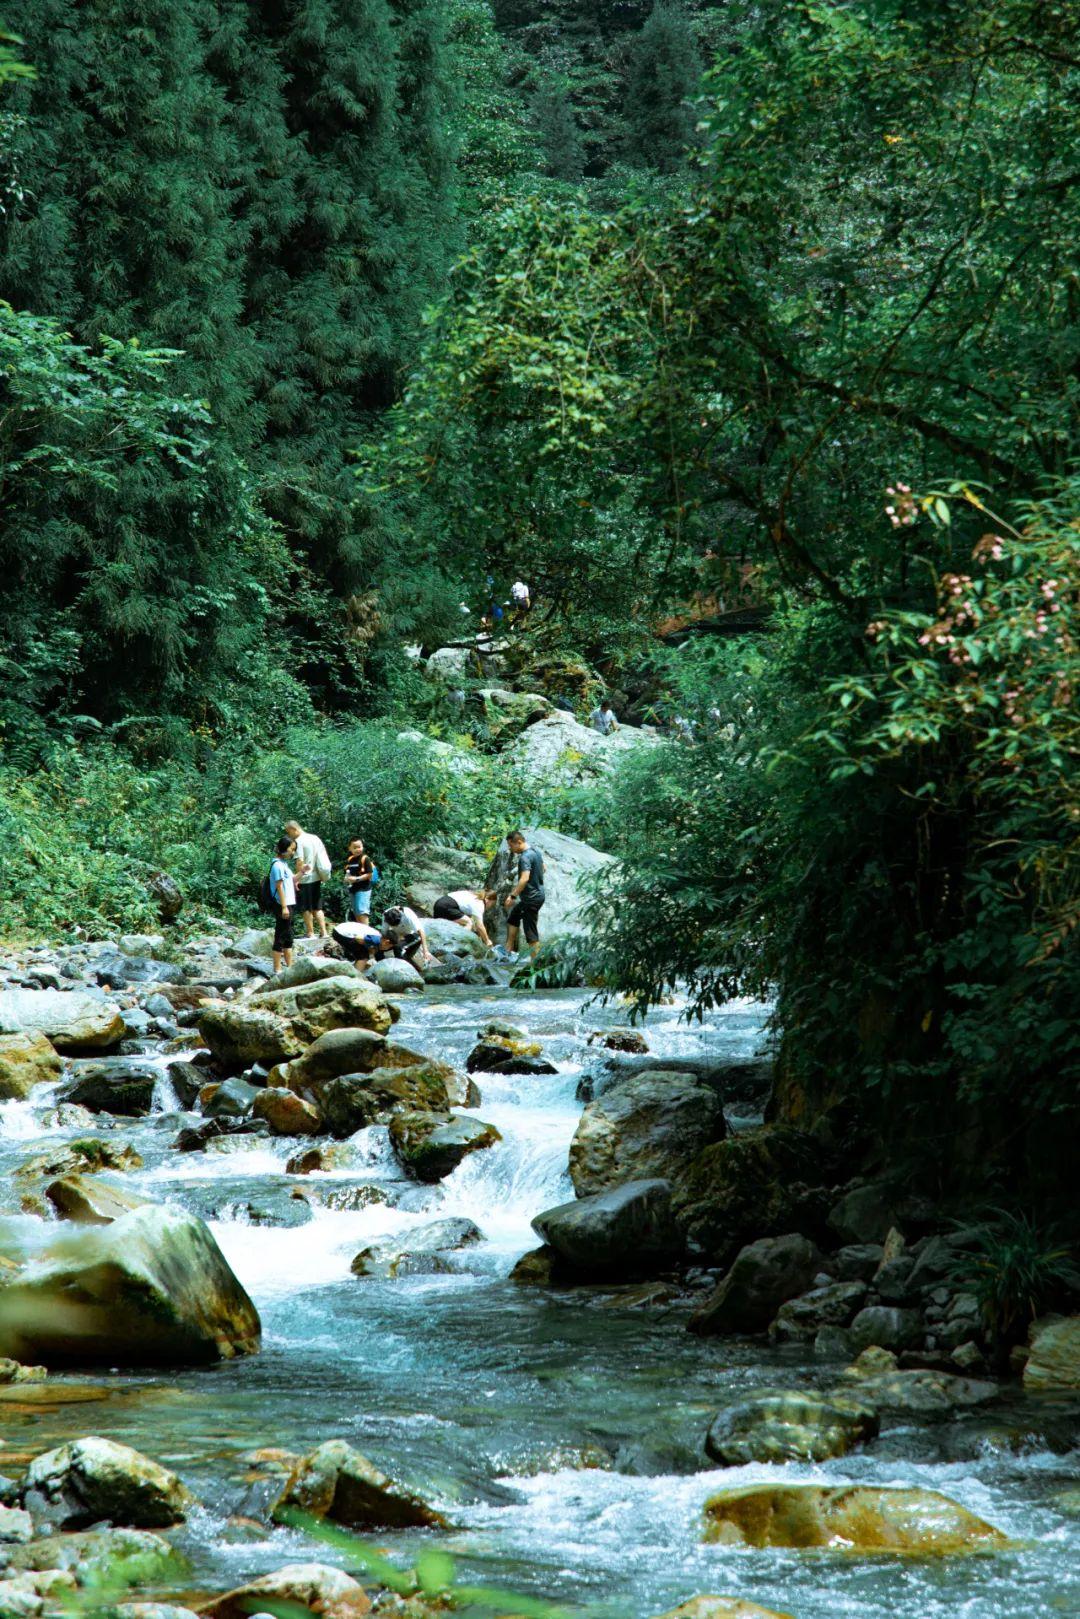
(521, 598)
(360, 875)
(466, 907)
(283, 893)
(527, 895)
(603, 719)
(683, 728)
(403, 934)
(312, 869)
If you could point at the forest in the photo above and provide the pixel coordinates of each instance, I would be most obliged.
(747, 334)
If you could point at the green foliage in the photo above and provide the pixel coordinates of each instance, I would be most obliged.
(560, 138)
(1017, 1270)
(664, 76)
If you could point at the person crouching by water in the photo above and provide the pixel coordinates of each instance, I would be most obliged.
(525, 899)
(359, 879)
(403, 935)
(466, 907)
(283, 890)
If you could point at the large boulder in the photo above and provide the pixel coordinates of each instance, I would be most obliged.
(396, 977)
(847, 1517)
(241, 1033)
(885, 1326)
(919, 1391)
(558, 751)
(801, 1319)
(420, 1252)
(286, 1113)
(123, 1086)
(435, 869)
(90, 1199)
(232, 1100)
(96, 1480)
(336, 1483)
(310, 970)
(748, 1186)
(353, 1101)
(1054, 1358)
(498, 1054)
(296, 1588)
(788, 1427)
(620, 1232)
(431, 1147)
(566, 861)
(26, 1059)
(150, 1288)
(343, 1002)
(647, 1125)
(73, 1019)
(764, 1276)
(451, 939)
(341, 1051)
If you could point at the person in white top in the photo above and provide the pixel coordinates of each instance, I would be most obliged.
(312, 869)
(403, 935)
(466, 907)
(519, 595)
(603, 719)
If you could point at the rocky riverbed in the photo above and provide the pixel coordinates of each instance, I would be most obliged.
(376, 1336)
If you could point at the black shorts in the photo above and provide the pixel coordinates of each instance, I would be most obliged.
(406, 948)
(309, 896)
(524, 915)
(447, 909)
(283, 931)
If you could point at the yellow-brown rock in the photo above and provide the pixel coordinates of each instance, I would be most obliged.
(721, 1608)
(847, 1518)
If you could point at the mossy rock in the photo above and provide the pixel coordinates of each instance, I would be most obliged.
(849, 1518)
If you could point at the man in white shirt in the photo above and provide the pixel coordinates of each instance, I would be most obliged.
(466, 907)
(312, 869)
(603, 719)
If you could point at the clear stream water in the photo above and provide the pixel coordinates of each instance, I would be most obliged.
(560, 1432)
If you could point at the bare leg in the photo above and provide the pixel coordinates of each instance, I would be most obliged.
(320, 917)
(481, 931)
(278, 958)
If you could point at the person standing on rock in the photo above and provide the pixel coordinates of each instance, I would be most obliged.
(312, 869)
(283, 892)
(527, 895)
(359, 878)
(603, 719)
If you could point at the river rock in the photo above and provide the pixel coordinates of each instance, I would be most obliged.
(847, 1517)
(886, 1326)
(419, 1252)
(765, 1275)
(1054, 1358)
(451, 939)
(354, 1101)
(430, 1147)
(311, 970)
(566, 861)
(100, 1560)
(84, 1157)
(558, 751)
(233, 1099)
(91, 1200)
(920, 1391)
(73, 1020)
(96, 1480)
(800, 1319)
(151, 1288)
(435, 869)
(496, 1054)
(749, 1186)
(317, 1160)
(866, 1213)
(26, 1059)
(790, 1428)
(16, 1528)
(647, 1126)
(621, 1232)
(331, 1003)
(536, 1268)
(308, 1587)
(721, 1608)
(336, 1483)
(342, 1051)
(122, 1087)
(241, 1033)
(396, 977)
(859, 1262)
(187, 1080)
(286, 1113)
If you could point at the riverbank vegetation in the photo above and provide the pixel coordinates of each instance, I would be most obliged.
(748, 317)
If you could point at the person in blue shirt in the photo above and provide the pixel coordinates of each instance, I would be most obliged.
(283, 892)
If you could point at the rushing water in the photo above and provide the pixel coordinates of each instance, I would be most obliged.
(561, 1432)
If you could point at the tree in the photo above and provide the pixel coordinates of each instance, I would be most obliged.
(560, 138)
(663, 76)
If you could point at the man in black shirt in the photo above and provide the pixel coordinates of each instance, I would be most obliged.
(527, 895)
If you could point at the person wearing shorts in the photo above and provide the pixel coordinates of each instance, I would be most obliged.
(525, 899)
(359, 878)
(465, 907)
(312, 869)
(283, 892)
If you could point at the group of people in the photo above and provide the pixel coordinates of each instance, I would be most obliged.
(301, 866)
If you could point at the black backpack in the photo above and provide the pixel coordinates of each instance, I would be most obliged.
(267, 901)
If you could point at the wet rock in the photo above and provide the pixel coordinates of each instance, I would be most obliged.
(499, 1029)
(621, 1232)
(317, 1160)
(100, 1559)
(356, 1100)
(536, 1268)
(341, 1002)
(859, 1262)
(83, 1157)
(311, 970)
(187, 1080)
(313, 1587)
(396, 977)
(96, 1480)
(847, 1517)
(430, 1148)
(498, 1055)
(286, 1113)
(749, 1186)
(242, 1033)
(866, 1213)
(628, 1040)
(1054, 1358)
(121, 1087)
(721, 1608)
(787, 1427)
(764, 1276)
(233, 1099)
(16, 1527)
(886, 1326)
(340, 1051)
(920, 1391)
(421, 1252)
(68, 1117)
(26, 1059)
(201, 1137)
(150, 1610)
(73, 1020)
(151, 1288)
(12, 1371)
(90, 1200)
(646, 1126)
(349, 1199)
(800, 1319)
(23, 1596)
(338, 1484)
(272, 1206)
